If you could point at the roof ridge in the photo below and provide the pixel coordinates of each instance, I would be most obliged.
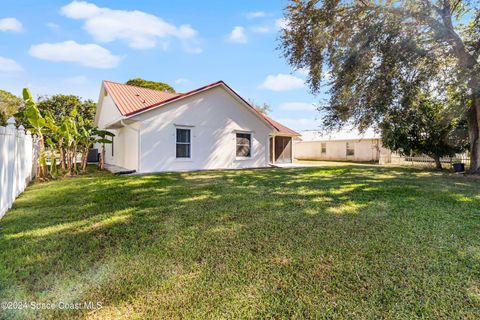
(130, 85)
(178, 96)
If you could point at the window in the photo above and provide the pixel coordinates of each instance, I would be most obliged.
(350, 149)
(244, 145)
(183, 143)
(112, 146)
(324, 147)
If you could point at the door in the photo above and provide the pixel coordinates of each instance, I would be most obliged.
(283, 149)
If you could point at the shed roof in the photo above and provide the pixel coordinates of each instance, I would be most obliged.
(340, 135)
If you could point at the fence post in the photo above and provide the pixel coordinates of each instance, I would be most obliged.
(16, 163)
(10, 160)
(3, 170)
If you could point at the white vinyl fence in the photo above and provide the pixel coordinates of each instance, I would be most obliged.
(17, 163)
(425, 161)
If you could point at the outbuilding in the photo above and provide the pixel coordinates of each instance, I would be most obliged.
(342, 145)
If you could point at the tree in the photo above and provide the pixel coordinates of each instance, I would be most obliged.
(9, 105)
(102, 136)
(61, 105)
(59, 108)
(64, 129)
(383, 54)
(37, 124)
(423, 129)
(262, 108)
(139, 82)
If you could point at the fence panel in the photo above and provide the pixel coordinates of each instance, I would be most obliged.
(425, 161)
(17, 163)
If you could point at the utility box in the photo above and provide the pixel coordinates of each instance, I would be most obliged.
(92, 155)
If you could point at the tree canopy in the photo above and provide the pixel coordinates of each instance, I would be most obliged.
(384, 55)
(139, 82)
(60, 106)
(263, 108)
(9, 105)
(424, 129)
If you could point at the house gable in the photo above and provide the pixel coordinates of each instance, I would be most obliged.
(107, 111)
(231, 99)
(214, 117)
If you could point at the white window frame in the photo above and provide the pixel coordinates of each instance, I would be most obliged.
(189, 128)
(250, 133)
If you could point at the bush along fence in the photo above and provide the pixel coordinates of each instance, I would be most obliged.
(18, 152)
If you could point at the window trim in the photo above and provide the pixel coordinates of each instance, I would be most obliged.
(352, 147)
(190, 129)
(321, 148)
(250, 133)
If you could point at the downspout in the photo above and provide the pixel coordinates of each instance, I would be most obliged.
(139, 140)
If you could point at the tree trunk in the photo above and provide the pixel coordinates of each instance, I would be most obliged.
(42, 161)
(69, 160)
(101, 163)
(84, 159)
(75, 159)
(468, 64)
(438, 163)
(61, 149)
(473, 118)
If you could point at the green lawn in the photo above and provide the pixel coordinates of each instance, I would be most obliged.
(354, 241)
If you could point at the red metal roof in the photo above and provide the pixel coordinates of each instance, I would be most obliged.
(132, 99)
(280, 127)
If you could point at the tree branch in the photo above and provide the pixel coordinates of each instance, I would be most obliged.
(455, 6)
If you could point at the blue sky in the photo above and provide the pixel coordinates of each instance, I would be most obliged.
(69, 47)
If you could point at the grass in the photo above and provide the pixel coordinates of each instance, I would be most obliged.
(353, 241)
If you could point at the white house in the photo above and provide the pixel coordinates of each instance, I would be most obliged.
(343, 145)
(208, 128)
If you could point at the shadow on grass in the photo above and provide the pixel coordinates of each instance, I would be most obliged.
(272, 242)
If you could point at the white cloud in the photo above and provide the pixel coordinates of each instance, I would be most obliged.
(301, 123)
(255, 14)
(260, 29)
(302, 71)
(77, 80)
(53, 26)
(282, 82)
(281, 23)
(182, 81)
(10, 24)
(9, 65)
(238, 35)
(298, 106)
(139, 29)
(90, 55)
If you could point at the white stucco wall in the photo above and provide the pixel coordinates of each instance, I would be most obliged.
(125, 148)
(126, 139)
(214, 117)
(365, 150)
(107, 112)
